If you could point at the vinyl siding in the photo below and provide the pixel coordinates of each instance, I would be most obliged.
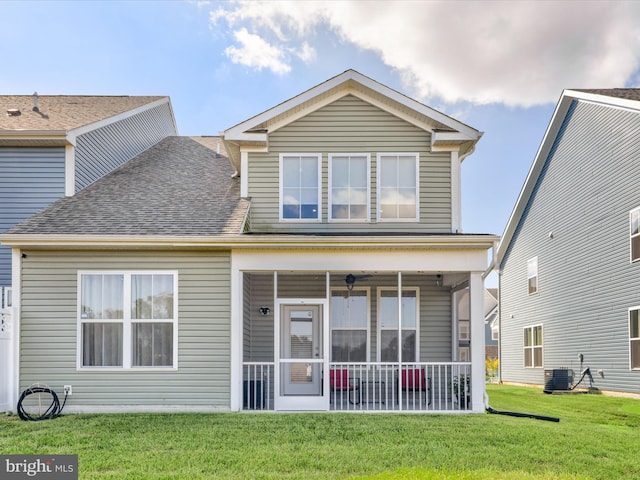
(434, 304)
(49, 330)
(586, 281)
(350, 125)
(30, 179)
(100, 151)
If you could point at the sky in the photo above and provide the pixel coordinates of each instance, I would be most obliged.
(497, 66)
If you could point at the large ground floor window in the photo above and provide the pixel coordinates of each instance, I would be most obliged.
(127, 319)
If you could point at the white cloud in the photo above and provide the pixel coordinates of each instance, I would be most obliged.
(256, 52)
(516, 53)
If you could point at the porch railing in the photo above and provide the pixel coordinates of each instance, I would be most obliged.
(375, 386)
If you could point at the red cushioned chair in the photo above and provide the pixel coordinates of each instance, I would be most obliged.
(414, 380)
(339, 381)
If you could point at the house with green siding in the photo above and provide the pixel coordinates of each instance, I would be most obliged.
(305, 260)
(569, 258)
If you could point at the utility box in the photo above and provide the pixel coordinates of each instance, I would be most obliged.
(557, 379)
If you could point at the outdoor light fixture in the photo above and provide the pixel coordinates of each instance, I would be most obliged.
(439, 280)
(264, 310)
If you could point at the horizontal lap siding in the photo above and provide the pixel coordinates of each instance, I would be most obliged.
(49, 326)
(435, 312)
(30, 179)
(351, 125)
(586, 280)
(102, 150)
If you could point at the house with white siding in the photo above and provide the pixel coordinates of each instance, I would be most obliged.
(312, 268)
(54, 146)
(569, 256)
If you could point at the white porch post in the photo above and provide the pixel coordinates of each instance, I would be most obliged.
(476, 321)
(235, 371)
(14, 343)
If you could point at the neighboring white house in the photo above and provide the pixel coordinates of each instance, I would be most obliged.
(313, 269)
(569, 257)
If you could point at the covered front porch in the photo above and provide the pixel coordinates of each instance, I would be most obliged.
(361, 340)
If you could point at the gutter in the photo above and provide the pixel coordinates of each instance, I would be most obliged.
(247, 241)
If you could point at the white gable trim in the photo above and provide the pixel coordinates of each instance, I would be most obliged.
(241, 131)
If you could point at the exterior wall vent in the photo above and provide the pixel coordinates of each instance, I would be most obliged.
(13, 112)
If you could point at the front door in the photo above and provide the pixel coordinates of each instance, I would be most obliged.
(301, 358)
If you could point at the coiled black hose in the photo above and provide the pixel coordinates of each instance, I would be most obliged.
(54, 410)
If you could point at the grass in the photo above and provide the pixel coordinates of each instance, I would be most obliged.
(597, 438)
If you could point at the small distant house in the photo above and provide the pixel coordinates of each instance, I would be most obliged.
(54, 146)
(312, 268)
(569, 258)
(491, 326)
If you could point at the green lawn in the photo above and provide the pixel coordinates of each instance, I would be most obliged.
(597, 437)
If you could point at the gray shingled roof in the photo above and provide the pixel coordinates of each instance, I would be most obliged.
(64, 112)
(179, 187)
(626, 93)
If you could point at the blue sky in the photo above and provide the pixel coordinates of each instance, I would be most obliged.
(497, 66)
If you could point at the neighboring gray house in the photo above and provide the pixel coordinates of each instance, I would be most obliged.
(54, 146)
(569, 257)
(313, 269)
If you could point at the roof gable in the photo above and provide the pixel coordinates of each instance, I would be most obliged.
(626, 98)
(57, 119)
(446, 131)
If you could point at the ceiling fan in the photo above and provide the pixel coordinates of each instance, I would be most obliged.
(350, 279)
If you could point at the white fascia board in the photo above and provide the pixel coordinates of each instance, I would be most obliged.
(76, 132)
(534, 172)
(604, 99)
(384, 260)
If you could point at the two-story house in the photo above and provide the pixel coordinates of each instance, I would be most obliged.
(313, 269)
(54, 146)
(569, 256)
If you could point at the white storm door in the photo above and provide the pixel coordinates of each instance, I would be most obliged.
(301, 357)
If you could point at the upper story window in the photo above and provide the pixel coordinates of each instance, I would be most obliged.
(388, 325)
(127, 320)
(634, 225)
(533, 347)
(300, 192)
(532, 275)
(349, 191)
(349, 325)
(634, 338)
(397, 187)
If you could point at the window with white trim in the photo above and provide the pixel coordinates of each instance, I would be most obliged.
(300, 190)
(532, 275)
(127, 319)
(388, 325)
(397, 184)
(349, 325)
(533, 347)
(634, 338)
(349, 187)
(634, 228)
